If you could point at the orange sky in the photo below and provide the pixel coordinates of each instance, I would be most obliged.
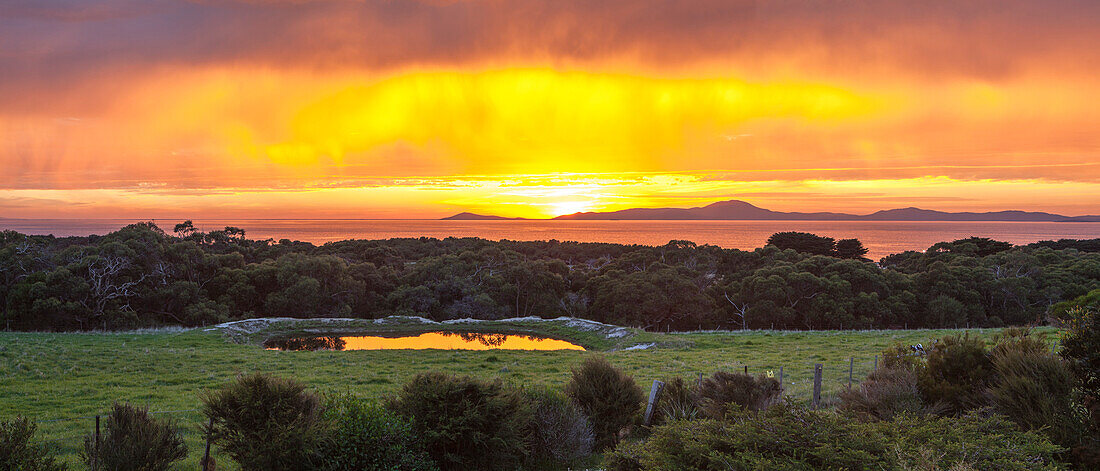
(361, 109)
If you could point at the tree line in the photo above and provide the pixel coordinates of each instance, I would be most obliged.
(142, 276)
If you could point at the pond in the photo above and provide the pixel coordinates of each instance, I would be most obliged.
(428, 340)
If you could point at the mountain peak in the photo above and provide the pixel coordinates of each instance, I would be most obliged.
(733, 210)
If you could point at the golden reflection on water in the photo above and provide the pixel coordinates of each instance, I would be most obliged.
(429, 340)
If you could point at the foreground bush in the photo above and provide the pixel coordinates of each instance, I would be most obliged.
(902, 357)
(609, 398)
(264, 422)
(956, 374)
(559, 429)
(978, 440)
(465, 423)
(725, 392)
(17, 450)
(1034, 388)
(1081, 350)
(133, 440)
(365, 436)
(886, 393)
(678, 401)
(787, 437)
(784, 437)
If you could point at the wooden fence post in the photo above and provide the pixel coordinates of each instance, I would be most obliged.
(206, 456)
(851, 369)
(95, 458)
(654, 396)
(746, 369)
(876, 362)
(817, 385)
(781, 378)
(700, 379)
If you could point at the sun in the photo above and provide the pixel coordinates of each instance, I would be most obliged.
(559, 208)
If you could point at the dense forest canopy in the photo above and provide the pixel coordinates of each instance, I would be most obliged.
(142, 276)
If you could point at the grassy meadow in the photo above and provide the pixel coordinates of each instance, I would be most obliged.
(63, 379)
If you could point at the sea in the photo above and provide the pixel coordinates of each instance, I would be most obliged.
(880, 237)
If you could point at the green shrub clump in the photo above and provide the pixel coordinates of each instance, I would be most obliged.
(783, 437)
(1081, 350)
(977, 440)
(609, 398)
(726, 392)
(956, 374)
(264, 422)
(788, 437)
(18, 450)
(365, 436)
(465, 423)
(885, 394)
(678, 401)
(1034, 388)
(559, 429)
(134, 441)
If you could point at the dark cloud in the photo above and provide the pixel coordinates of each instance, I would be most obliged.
(50, 43)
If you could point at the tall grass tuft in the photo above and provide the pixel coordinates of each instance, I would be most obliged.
(134, 441)
(610, 398)
(265, 422)
(726, 392)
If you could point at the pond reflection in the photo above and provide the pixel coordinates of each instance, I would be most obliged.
(429, 340)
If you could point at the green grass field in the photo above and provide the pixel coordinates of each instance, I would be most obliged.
(64, 379)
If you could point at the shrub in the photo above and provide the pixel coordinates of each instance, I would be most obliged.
(1018, 339)
(134, 441)
(625, 457)
(678, 401)
(609, 398)
(1081, 350)
(719, 393)
(788, 437)
(264, 422)
(783, 437)
(886, 393)
(901, 357)
(956, 374)
(465, 423)
(1035, 390)
(365, 436)
(978, 440)
(18, 452)
(559, 429)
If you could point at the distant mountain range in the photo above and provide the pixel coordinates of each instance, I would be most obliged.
(743, 211)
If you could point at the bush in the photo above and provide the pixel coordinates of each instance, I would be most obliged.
(1081, 350)
(365, 436)
(783, 437)
(264, 422)
(886, 393)
(465, 423)
(723, 390)
(678, 401)
(1035, 390)
(978, 440)
(134, 441)
(559, 429)
(1018, 339)
(956, 374)
(609, 398)
(18, 453)
(788, 437)
(625, 457)
(901, 357)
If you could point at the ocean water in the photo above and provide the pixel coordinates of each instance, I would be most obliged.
(880, 237)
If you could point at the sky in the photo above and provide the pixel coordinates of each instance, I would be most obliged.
(536, 108)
